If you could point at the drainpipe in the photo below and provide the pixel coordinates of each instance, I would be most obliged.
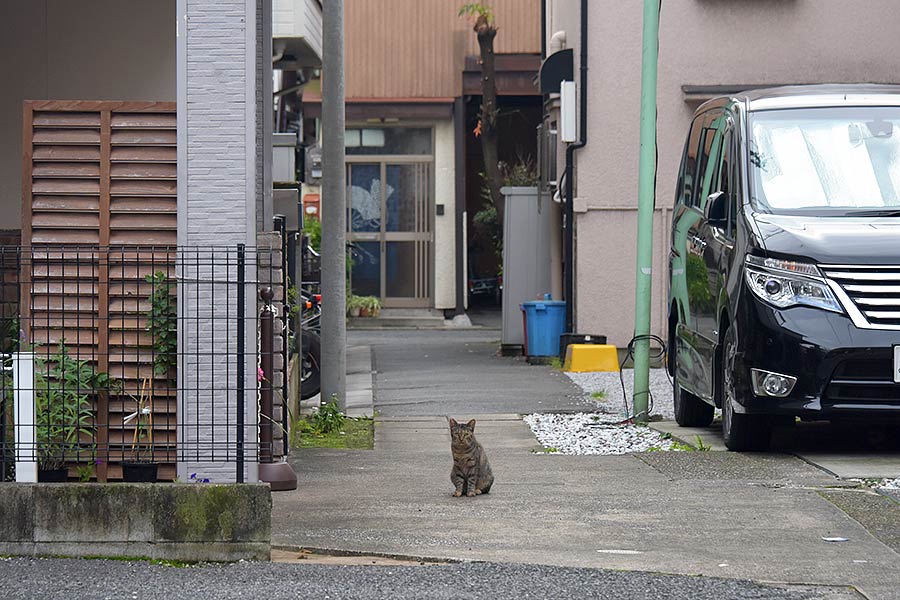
(543, 29)
(570, 187)
(646, 201)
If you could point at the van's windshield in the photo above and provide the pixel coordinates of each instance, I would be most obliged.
(826, 161)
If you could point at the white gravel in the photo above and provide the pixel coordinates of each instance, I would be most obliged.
(612, 401)
(889, 484)
(593, 433)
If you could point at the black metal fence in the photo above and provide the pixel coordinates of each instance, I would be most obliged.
(132, 356)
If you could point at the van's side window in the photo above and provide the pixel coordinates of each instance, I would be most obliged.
(734, 187)
(707, 151)
(688, 176)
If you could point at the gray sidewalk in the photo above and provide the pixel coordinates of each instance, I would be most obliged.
(760, 517)
(755, 516)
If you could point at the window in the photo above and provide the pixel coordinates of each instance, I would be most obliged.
(388, 141)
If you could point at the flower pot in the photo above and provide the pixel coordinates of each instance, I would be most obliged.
(139, 472)
(364, 311)
(58, 475)
(354, 311)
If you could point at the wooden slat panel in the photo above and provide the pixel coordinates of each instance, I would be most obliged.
(144, 120)
(66, 220)
(56, 236)
(143, 188)
(66, 136)
(101, 173)
(157, 238)
(70, 170)
(136, 204)
(67, 119)
(144, 154)
(65, 186)
(67, 153)
(144, 221)
(65, 203)
(143, 171)
(143, 137)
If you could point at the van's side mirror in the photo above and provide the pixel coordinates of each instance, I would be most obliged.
(717, 210)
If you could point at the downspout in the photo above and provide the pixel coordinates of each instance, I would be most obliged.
(570, 184)
(543, 29)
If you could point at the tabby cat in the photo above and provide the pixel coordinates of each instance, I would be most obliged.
(471, 472)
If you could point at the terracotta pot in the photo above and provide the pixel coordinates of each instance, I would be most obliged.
(364, 311)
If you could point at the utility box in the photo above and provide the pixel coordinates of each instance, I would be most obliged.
(284, 157)
(527, 225)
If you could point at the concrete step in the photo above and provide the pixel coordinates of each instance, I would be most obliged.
(384, 322)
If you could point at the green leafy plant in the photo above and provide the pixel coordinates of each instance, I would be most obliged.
(475, 10)
(85, 472)
(598, 395)
(142, 438)
(328, 418)
(162, 323)
(313, 228)
(63, 406)
(701, 447)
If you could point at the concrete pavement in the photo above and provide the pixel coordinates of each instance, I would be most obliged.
(754, 516)
(715, 514)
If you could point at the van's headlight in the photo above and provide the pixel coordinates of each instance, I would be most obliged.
(784, 283)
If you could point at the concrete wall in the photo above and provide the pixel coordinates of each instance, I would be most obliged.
(702, 42)
(217, 184)
(444, 226)
(85, 50)
(190, 522)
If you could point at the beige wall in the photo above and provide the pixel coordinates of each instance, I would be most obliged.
(702, 42)
(84, 50)
(445, 225)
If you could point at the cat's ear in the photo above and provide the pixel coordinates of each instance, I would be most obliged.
(471, 424)
(452, 422)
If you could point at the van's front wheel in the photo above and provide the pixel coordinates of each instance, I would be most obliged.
(742, 432)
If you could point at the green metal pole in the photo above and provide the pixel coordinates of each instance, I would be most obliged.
(646, 201)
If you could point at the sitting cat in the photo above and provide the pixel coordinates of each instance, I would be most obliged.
(471, 472)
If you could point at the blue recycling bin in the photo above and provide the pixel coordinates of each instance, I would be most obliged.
(545, 321)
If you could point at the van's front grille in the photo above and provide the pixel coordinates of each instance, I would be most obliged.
(874, 290)
(865, 380)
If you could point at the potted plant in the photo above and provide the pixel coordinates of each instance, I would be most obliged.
(64, 412)
(354, 305)
(162, 324)
(373, 305)
(141, 467)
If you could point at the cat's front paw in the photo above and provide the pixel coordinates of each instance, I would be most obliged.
(471, 494)
(457, 493)
(477, 492)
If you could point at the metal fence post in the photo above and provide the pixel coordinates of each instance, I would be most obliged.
(281, 226)
(241, 365)
(267, 365)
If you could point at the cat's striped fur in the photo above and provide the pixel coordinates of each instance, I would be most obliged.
(471, 474)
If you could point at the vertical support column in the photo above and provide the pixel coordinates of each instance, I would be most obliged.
(24, 417)
(218, 171)
(646, 201)
(334, 211)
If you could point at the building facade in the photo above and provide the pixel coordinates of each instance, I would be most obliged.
(412, 94)
(705, 49)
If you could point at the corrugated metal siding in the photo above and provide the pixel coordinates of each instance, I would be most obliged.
(416, 48)
(99, 187)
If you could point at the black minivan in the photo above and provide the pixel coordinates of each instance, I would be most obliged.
(784, 269)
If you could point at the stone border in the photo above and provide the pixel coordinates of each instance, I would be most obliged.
(178, 521)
